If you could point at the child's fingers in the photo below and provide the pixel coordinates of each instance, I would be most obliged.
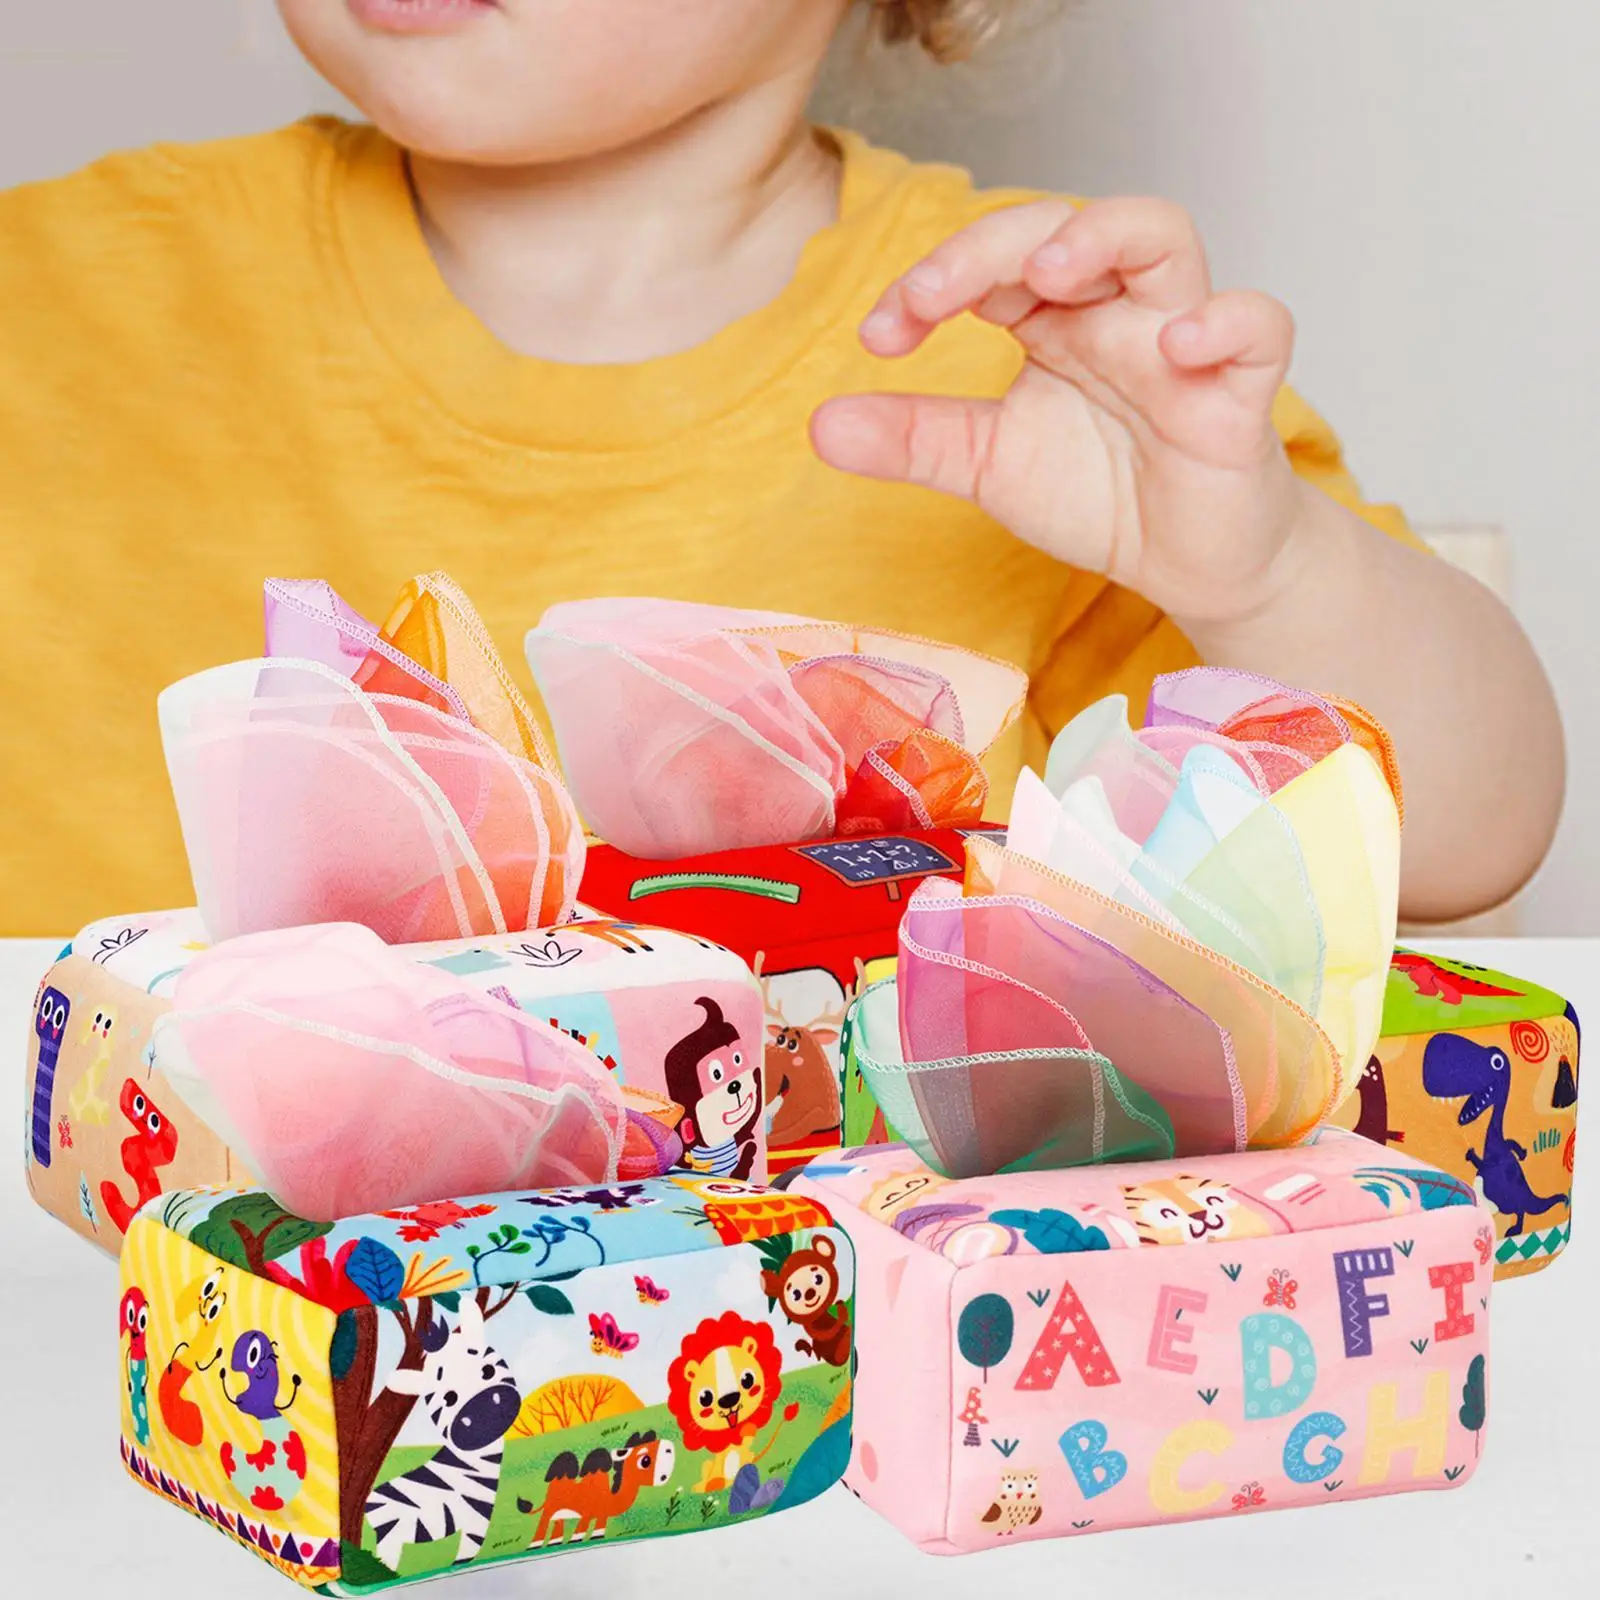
(987, 255)
(935, 440)
(1146, 249)
(1007, 305)
(1251, 333)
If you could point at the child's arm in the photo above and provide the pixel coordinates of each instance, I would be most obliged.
(1138, 442)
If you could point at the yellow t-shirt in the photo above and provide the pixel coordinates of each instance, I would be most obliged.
(236, 361)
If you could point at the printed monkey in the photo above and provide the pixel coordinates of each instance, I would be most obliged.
(720, 1092)
(807, 1287)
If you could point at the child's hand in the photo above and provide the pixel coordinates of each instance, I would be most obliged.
(1138, 439)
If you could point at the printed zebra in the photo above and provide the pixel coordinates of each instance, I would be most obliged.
(467, 1390)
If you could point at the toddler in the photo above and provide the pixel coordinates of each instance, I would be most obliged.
(586, 306)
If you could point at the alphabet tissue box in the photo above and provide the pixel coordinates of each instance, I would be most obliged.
(1477, 1073)
(106, 1132)
(400, 1396)
(1051, 1352)
(807, 917)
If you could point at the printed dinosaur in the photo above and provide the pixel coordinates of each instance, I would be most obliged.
(1453, 1068)
(1434, 982)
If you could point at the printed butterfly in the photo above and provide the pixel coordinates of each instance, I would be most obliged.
(1485, 1245)
(1252, 1494)
(1280, 1289)
(650, 1294)
(608, 1339)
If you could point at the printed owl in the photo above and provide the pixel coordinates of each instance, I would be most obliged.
(1017, 1505)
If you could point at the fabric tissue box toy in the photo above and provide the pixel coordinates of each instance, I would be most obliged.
(777, 784)
(1477, 1073)
(432, 1389)
(1050, 1353)
(345, 780)
(1180, 950)
(1120, 1046)
(660, 1014)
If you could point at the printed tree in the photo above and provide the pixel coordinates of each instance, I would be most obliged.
(569, 1402)
(972, 1415)
(985, 1330)
(368, 1422)
(1474, 1403)
(362, 1284)
(249, 1230)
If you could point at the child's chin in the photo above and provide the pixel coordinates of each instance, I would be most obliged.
(468, 136)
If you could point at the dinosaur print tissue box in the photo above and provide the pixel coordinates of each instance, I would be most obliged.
(676, 1017)
(1477, 1073)
(453, 1385)
(1054, 1353)
(807, 917)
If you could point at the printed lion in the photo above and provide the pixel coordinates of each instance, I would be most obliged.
(721, 1390)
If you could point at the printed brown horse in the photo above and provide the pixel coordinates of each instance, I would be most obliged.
(587, 1497)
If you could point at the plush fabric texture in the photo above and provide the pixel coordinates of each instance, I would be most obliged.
(353, 1078)
(1477, 1072)
(396, 1396)
(656, 1007)
(1050, 1353)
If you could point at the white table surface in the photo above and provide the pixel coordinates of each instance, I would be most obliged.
(1527, 1524)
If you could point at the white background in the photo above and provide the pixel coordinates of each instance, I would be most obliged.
(1414, 177)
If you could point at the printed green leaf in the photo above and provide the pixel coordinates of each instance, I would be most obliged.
(550, 1301)
(361, 1569)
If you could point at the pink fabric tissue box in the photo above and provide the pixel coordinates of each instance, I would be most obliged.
(1052, 1353)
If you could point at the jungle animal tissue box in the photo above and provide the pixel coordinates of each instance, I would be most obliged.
(1046, 1354)
(442, 1387)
